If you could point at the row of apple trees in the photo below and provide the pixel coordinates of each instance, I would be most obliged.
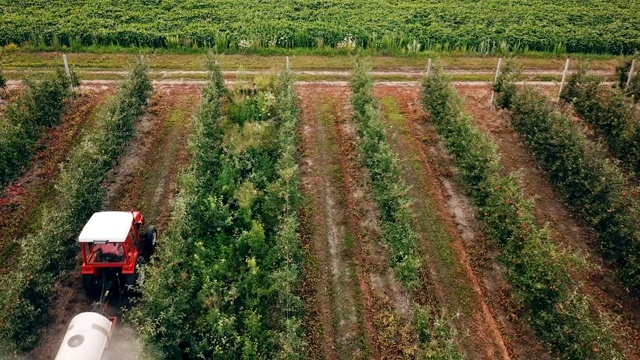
(39, 107)
(222, 285)
(435, 338)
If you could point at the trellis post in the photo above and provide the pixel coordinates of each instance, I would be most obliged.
(493, 93)
(633, 65)
(564, 77)
(66, 64)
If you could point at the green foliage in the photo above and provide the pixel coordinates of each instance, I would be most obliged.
(612, 116)
(223, 285)
(536, 269)
(390, 193)
(633, 90)
(596, 26)
(3, 81)
(591, 184)
(434, 330)
(52, 248)
(39, 107)
(215, 74)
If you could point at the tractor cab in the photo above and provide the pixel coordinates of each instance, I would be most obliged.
(112, 247)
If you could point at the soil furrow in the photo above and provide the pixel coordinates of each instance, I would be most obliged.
(567, 230)
(333, 320)
(447, 228)
(520, 340)
(347, 161)
(146, 180)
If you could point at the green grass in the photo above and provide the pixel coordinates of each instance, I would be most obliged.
(178, 117)
(89, 76)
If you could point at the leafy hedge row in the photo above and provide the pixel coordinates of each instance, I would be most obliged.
(53, 247)
(610, 113)
(595, 26)
(390, 193)
(222, 285)
(536, 269)
(591, 184)
(39, 107)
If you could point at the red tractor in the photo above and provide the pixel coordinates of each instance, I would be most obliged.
(112, 251)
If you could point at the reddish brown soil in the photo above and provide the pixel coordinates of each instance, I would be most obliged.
(151, 187)
(567, 230)
(342, 237)
(145, 179)
(386, 299)
(336, 281)
(27, 191)
(320, 233)
(152, 152)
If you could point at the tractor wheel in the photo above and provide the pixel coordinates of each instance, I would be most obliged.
(91, 286)
(134, 281)
(150, 240)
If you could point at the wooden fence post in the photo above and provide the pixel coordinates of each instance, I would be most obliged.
(493, 93)
(564, 77)
(66, 64)
(633, 65)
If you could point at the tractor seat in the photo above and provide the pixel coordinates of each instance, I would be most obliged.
(109, 253)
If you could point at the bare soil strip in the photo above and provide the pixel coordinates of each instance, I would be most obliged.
(334, 319)
(152, 162)
(568, 231)
(27, 193)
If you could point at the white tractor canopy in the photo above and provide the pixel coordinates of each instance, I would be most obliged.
(107, 226)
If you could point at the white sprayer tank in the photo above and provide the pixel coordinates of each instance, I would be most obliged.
(86, 337)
